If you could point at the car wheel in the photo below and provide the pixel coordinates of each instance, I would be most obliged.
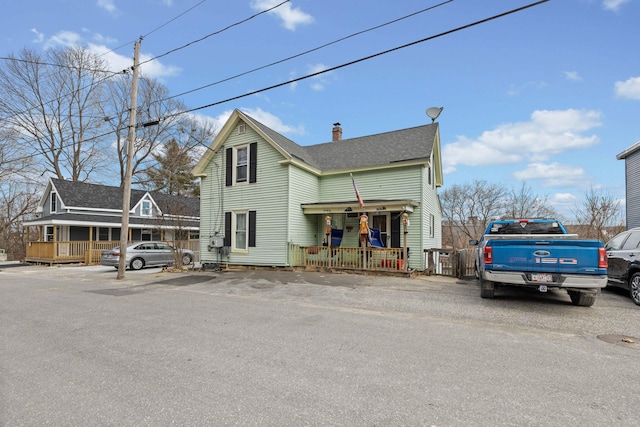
(583, 299)
(487, 288)
(186, 259)
(137, 263)
(634, 288)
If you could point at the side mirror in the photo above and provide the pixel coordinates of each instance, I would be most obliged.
(473, 242)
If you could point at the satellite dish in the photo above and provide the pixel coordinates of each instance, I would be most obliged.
(434, 112)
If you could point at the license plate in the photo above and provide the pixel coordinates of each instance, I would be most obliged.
(541, 277)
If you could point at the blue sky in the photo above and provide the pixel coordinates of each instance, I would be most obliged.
(548, 95)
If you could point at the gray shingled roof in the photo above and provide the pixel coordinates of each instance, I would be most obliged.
(96, 196)
(367, 151)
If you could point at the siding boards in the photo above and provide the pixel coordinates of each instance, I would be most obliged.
(268, 197)
(632, 177)
(303, 188)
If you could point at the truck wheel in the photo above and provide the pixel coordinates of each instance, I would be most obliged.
(487, 288)
(634, 288)
(583, 299)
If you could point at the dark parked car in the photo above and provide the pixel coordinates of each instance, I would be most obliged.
(147, 254)
(623, 252)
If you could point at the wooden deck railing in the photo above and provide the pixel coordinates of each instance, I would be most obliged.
(371, 259)
(86, 252)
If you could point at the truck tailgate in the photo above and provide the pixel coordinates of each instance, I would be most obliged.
(544, 255)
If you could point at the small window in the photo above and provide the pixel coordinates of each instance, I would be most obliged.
(54, 203)
(48, 233)
(103, 234)
(242, 164)
(240, 228)
(146, 208)
(432, 225)
(241, 128)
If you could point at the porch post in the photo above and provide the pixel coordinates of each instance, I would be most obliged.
(327, 231)
(405, 224)
(90, 244)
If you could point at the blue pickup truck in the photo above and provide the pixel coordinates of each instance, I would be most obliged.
(539, 253)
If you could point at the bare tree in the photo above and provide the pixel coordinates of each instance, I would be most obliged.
(51, 101)
(523, 203)
(160, 120)
(18, 202)
(600, 215)
(469, 207)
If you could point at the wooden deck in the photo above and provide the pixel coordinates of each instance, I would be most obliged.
(79, 252)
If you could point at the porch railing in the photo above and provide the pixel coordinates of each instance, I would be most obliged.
(82, 251)
(372, 259)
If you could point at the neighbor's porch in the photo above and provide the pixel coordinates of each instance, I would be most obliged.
(84, 252)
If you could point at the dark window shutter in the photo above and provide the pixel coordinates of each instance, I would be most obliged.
(227, 228)
(252, 229)
(229, 167)
(253, 161)
(395, 231)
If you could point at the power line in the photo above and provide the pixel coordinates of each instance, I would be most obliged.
(216, 32)
(309, 51)
(149, 60)
(442, 34)
(171, 20)
(346, 64)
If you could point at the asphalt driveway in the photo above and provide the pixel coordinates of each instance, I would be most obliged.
(280, 348)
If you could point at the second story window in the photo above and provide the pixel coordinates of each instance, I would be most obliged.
(242, 162)
(54, 202)
(146, 208)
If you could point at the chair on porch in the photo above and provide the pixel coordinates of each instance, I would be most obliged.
(336, 236)
(375, 238)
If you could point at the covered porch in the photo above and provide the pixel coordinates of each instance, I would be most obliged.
(59, 243)
(385, 249)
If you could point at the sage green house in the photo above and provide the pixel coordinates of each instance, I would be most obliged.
(262, 194)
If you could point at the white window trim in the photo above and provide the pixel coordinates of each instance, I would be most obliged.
(235, 164)
(53, 209)
(234, 230)
(142, 209)
(242, 128)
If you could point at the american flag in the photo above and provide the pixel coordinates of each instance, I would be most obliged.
(355, 187)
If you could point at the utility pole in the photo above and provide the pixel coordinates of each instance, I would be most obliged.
(126, 198)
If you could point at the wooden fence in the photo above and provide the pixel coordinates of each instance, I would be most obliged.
(458, 263)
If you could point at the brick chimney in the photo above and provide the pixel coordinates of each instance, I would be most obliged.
(337, 132)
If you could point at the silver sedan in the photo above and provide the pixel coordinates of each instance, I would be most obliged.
(147, 254)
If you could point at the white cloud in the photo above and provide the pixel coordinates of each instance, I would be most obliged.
(564, 198)
(116, 62)
(548, 133)
(39, 36)
(291, 16)
(613, 4)
(272, 121)
(553, 174)
(629, 88)
(515, 90)
(572, 75)
(63, 38)
(108, 5)
(319, 82)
